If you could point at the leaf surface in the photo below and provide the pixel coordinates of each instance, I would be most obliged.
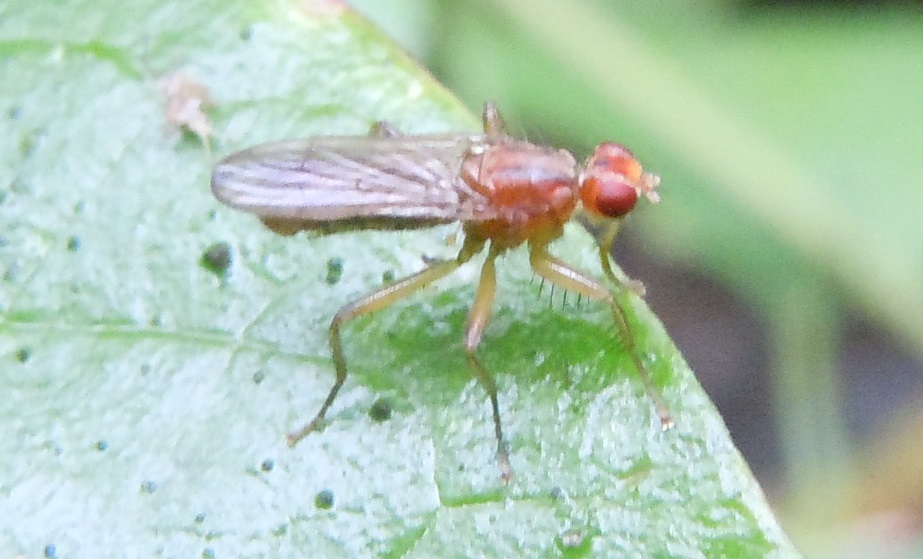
(147, 392)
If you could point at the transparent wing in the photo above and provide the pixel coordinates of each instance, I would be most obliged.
(327, 179)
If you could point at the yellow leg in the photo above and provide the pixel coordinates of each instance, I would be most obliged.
(369, 303)
(571, 279)
(477, 321)
(605, 238)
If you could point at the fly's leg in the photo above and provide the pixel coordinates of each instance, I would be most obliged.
(369, 303)
(605, 237)
(477, 321)
(571, 279)
(605, 247)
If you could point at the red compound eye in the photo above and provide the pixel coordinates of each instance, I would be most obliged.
(608, 195)
(609, 178)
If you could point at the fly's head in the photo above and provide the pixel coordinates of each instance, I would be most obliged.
(612, 180)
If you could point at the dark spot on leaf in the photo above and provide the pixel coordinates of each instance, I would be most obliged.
(101, 445)
(26, 145)
(148, 486)
(217, 258)
(28, 142)
(200, 518)
(212, 214)
(387, 277)
(14, 112)
(54, 447)
(246, 33)
(558, 493)
(208, 553)
(23, 354)
(73, 243)
(381, 410)
(258, 377)
(334, 270)
(145, 369)
(324, 499)
(50, 551)
(12, 273)
(267, 465)
(19, 185)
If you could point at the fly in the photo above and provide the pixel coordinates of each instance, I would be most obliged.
(505, 192)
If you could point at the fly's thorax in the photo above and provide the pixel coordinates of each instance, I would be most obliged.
(531, 189)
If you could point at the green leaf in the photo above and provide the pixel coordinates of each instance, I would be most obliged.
(157, 346)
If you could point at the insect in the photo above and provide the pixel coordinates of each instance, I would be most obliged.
(505, 192)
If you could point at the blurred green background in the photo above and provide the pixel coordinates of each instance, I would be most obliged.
(786, 258)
